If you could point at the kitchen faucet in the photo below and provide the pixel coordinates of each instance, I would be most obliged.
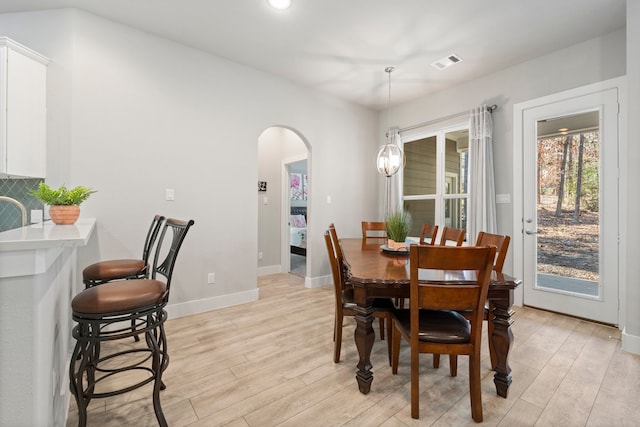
(23, 210)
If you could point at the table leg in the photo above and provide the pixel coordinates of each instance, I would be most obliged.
(364, 336)
(502, 339)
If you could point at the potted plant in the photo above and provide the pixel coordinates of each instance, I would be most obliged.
(64, 204)
(398, 225)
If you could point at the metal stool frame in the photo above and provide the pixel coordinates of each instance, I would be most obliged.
(95, 328)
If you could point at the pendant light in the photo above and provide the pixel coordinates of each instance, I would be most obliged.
(389, 155)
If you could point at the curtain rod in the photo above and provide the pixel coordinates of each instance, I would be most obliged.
(441, 119)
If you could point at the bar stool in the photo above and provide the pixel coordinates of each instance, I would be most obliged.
(105, 314)
(120, 269)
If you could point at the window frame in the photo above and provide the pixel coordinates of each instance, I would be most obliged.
(438, 131)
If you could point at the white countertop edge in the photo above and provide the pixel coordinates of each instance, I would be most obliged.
(47, 235)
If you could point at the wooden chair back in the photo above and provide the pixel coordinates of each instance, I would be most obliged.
(500, 242)
(374, 229)
(452, 235)
(468, 293)
(428, 234)
(336, 269)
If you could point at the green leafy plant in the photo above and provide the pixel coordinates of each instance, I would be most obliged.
(62, 196)
(398, 225)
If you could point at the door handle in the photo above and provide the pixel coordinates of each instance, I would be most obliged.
(531, 232)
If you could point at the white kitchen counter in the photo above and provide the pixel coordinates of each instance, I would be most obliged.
(32, 249)
(38, 279)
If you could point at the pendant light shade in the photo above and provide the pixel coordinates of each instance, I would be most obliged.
(389, 159)
(389, 155)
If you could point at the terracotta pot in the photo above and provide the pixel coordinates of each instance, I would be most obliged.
(64, 214)
(392, 244)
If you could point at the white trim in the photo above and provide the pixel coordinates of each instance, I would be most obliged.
(24, 50)
(213, 303)
(318, 282)
(630, 343)
(269, 269)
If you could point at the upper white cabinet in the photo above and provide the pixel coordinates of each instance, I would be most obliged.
(23, 110)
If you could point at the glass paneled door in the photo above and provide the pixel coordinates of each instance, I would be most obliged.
(570, 206)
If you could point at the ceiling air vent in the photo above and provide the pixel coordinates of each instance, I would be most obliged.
(446, 62)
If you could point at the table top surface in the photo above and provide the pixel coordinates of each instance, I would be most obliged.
(368, 264)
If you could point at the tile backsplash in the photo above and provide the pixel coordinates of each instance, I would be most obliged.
(10, 214)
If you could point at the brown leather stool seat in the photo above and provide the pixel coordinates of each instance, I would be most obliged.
(116, 269)
(122, 309)
(123, 269)
(116, 297)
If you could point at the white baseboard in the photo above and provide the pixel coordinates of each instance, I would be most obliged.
(630, 343)
(318, 282)
(270, 269)
(213, 303)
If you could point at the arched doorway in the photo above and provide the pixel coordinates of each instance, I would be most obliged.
(283, 160)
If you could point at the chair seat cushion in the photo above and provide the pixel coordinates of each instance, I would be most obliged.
(379, 304)
(114, 269)
(439, 326)
(121, 296)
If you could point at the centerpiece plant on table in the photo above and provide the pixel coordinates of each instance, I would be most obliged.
(64, 203)
(398, 225)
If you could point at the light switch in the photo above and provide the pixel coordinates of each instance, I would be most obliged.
(170, 194)
(328, 200)
(36, 216)
(265, 200)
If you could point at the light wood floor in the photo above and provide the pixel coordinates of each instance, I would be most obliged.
(269, 363)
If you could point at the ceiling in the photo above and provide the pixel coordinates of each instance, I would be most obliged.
(342, 47)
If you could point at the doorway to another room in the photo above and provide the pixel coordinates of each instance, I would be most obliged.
(282, 202)
(297, 197)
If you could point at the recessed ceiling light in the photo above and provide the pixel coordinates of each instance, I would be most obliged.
(446, 62)
(279, 4)
(563, 129)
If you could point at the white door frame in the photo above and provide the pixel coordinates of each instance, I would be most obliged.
(518, 161)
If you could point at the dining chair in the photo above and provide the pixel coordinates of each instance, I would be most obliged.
(501, 242)
(428, 234)
(374, 229)
(99, 312)
(433, 324)
(452, 235)
(345, 306)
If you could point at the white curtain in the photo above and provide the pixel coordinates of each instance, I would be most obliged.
(482, 201)
(395, 181)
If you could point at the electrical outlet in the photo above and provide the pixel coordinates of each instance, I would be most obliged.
(260, 255)
(211, 278)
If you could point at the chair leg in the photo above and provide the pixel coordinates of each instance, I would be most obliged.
(453, 365)
(389, 338)
(382, 328)
(395, 354)
(338, 339)
(436, 361)
(475, 387)
(152, 338)
(415, 384)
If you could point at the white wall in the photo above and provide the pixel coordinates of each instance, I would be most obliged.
(631, 236)
(136, 114)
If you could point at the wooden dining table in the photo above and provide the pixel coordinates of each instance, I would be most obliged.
(374, 273)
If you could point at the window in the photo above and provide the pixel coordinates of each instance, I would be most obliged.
(436, 178)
